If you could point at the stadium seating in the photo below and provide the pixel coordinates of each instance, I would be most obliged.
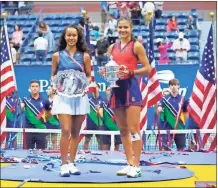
(57, 23)
(192, 36)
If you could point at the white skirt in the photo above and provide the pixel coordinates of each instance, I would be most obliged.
(71, 106)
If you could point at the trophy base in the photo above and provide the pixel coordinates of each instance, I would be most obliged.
(113, 84)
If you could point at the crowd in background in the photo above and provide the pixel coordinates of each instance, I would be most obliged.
(104, 34)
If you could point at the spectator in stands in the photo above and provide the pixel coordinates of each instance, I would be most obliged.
(158, 9)
(101, 49)
(95, 32)
(109, 124)
(168, 117)
(172, 24)
(13, 53)
(104, 13)
(47, 34)
(112, 6)
(162, 48)
(41, 48)
(21, 7)
(181, 46)
(35, 114)
(13, 7)
(17, 37)
(94, 118)
(191, 23)
(52, 121)
(148, 12)
(111, 30)
(72, 53)
(123, 8)
(135, 12)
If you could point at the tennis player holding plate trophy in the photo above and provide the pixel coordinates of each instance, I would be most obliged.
(126, 99)
(71, 73)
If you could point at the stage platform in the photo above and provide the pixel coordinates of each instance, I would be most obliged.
(99, 168)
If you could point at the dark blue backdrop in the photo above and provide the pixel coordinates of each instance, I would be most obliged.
(185, 73)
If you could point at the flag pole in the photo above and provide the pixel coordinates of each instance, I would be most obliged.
(4, 15)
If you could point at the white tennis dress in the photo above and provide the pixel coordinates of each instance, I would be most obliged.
(63, 102)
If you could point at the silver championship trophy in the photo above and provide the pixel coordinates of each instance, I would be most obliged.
(111, 73)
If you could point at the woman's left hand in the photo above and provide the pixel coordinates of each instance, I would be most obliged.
(123, 72)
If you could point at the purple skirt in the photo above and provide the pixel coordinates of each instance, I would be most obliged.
(127, 94)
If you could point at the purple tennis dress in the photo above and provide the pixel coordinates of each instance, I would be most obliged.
(128, 93)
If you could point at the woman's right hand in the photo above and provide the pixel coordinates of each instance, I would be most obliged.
(101, 71)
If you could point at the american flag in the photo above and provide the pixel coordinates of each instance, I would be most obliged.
(7, 82)
(202, 106)
(149, 85)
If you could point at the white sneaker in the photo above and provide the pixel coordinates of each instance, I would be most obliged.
(65, 171)
(134, 172)
(124, 171)
(73, 170)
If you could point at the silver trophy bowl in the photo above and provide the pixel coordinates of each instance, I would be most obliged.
(111, 73)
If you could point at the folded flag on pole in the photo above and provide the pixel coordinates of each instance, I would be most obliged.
(7, 81)
(202, 106)
(149, 85)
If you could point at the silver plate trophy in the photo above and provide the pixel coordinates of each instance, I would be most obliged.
(111, 73)
(71, 83)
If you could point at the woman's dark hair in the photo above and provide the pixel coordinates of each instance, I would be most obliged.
(42, 23)
(81, 43)
(18, 27)
(171, 19)
(158, 44)
(130, 22)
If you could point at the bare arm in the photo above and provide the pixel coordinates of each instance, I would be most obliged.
(55, 60)
(100, 112)
(22, 105)
(141, 54)
(87, 65)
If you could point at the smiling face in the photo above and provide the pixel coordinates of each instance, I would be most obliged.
(124, 28)
(71, 36)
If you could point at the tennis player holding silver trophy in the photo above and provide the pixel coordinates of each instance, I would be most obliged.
(111, 71)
